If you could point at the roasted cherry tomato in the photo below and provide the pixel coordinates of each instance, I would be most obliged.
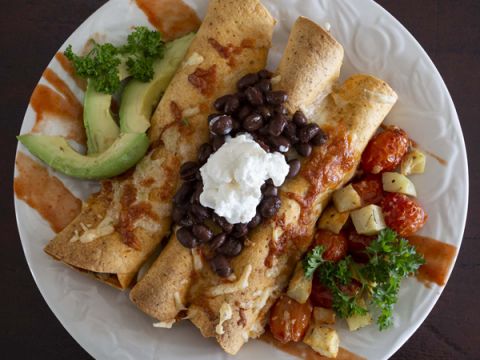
(320, 296)
(357, 244)
(335, 245)
(370, 189)
(289, 319)
(403, 214)
(385, 151)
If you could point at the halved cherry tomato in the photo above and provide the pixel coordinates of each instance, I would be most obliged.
(403, 214)
(357, 244)
(320, 296)
(289, 319)
(335, 245)
(370, 189)
(385, 151)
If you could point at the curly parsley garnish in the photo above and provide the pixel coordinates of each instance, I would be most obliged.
(392, 259)
(102, 62)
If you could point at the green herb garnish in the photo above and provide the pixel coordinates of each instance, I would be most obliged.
(392, 259)
(102, 63)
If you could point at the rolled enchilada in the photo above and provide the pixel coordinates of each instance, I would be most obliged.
(120, 227)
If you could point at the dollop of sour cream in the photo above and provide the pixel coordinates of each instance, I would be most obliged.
(234, 174)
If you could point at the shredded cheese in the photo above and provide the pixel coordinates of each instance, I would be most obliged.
(276, 79)
(190, 111)
(194, 59)
(197, 260)
(164, 324)
(178, 302)
(225, 314)
(229, 288)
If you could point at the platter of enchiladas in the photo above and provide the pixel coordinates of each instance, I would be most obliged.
(241, 179)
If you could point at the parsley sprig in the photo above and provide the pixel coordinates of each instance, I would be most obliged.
(392, 259)
(101, 64)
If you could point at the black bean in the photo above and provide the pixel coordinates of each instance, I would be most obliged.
(264, 85)
(213, 116)
(264, 110)
(277, 125)
(299, 118)
(217, 241)
(281, 109)
(204, 152)
(195, 199)
(219, 265)
(232, 105)
(246, 81)
(276, 97)
(253, 122)
(186, 238)
(221, 125)
(245, 110)
(239, 230)
(219, 104)
(236, 127)
(223, 223)
(202, 233)
(290, 132)
(319, 139)
(183, 193)
(231, 247)
(280, 143)
(217, 142)
(308, 132)
(199, 212)
(269, 206)
(263, 130)
(256, 220)
(263, 144)
(188, 170)
(303, 149)
(187, 220)
(294, 168)
(254, 96)
(270, 190)
(265, 74)
(178, 213)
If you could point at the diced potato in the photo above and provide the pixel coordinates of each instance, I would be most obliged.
(395, 182)
(332, 220)
(323, 316)
(323, 340)
(300, 287)
(368, 220)
(356, 322)
(346, 199)
(413, 163)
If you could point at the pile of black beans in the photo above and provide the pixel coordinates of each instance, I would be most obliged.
(258, 110)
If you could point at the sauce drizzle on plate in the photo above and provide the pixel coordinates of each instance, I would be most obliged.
(45, 193)
(173, 18)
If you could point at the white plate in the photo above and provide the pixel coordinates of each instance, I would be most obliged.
(104, 321)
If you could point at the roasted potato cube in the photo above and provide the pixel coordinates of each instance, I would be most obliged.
(346, 199)
(323, 316)
(395, 182)
(332, 220)
(413, 163)
(356, 322)
(368, 220)
(323, 340)
(300, 287)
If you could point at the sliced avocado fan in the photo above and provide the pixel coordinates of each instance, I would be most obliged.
(105, 158)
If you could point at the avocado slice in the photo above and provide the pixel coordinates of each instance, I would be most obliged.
(100, 127)
(56, 152)
(139, 99)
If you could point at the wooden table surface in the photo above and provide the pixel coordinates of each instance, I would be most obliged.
(32, 31)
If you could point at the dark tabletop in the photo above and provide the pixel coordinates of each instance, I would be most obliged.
(31, 31)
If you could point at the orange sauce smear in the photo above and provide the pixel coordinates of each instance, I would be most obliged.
(173, 18)
(61, 103)
(438, 256)
(304, 351)
(70, 70)
(45, 193)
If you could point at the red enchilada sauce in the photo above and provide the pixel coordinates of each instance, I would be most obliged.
(438, 256)
(70, 70)
(45, 193)
(173, 18)
(303, 351)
